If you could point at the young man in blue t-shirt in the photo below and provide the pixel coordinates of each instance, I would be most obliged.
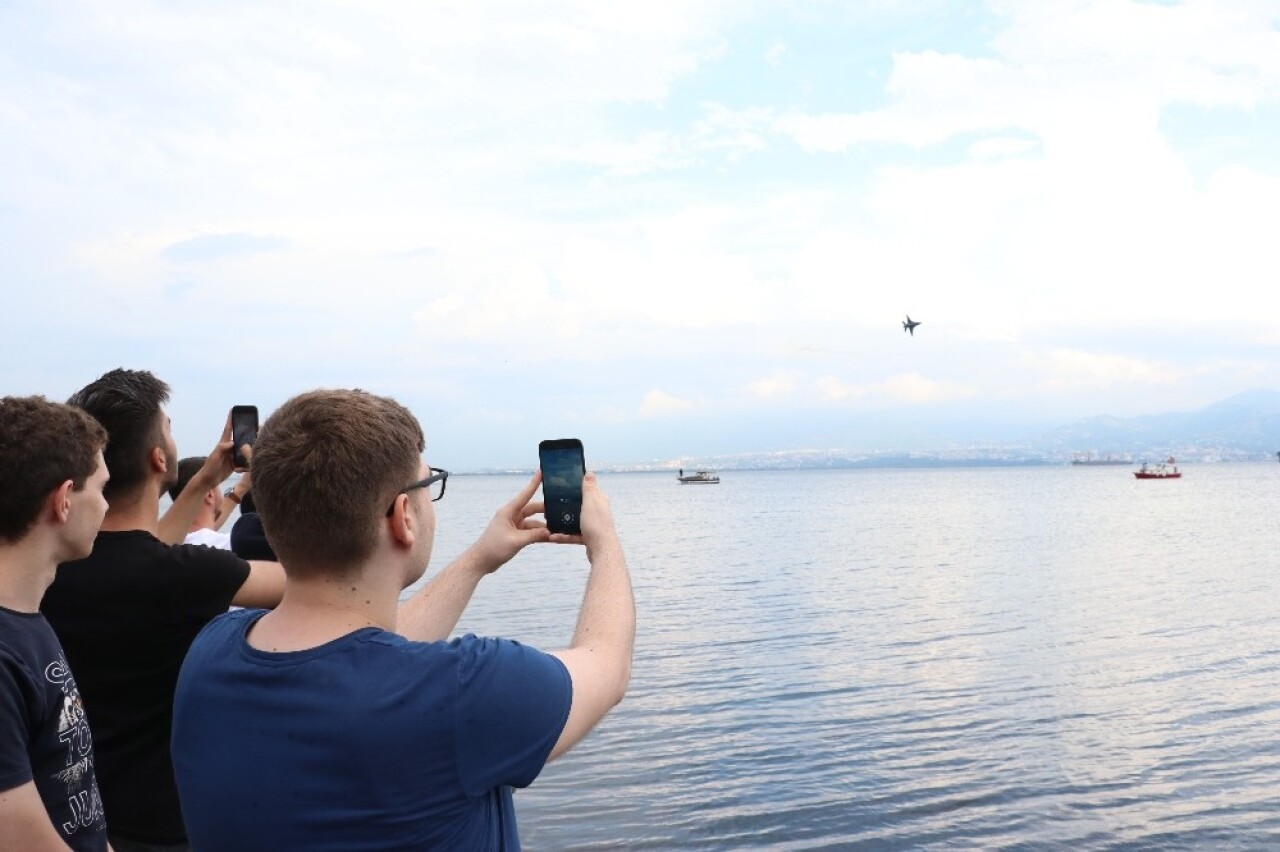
(51, 505)
(343, 720)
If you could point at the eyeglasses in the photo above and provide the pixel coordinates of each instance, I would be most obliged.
(437, 475)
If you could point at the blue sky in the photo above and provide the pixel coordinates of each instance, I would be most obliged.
(670, 228)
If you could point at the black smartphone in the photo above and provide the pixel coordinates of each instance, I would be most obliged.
(244, 430)
(563, 467)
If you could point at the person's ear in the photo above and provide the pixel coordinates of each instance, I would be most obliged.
(402, 523)
(60, 501)
(213, 497)
(159, 462)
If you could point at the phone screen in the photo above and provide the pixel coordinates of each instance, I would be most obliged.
(244, 430)
(563, 467)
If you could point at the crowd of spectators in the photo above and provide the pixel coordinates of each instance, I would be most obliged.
(166, 685)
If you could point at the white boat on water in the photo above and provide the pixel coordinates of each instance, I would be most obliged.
(1166, 469)
(708, 477)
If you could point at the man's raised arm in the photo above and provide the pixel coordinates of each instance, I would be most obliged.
(217, 466)
(599, 657)
(433, 611)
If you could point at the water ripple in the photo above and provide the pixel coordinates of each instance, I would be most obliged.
(982, 659)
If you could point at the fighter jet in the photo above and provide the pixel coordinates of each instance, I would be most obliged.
(910, 325)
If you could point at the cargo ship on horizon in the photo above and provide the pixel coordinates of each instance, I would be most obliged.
(1089, 459)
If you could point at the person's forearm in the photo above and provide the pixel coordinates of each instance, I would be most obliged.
(173, 525)
(177, 521)
(225, 508)
(607, 621)
(433, 611)
(228, 504)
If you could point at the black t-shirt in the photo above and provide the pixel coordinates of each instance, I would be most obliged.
(126, 616)
(44, 734)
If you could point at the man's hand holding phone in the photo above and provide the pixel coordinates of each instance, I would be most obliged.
(563, 466)
(217, 467)
(244, 431)
(512, 529)
(218, 464)
(596, 520)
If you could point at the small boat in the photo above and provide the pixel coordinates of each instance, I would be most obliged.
(705, 476)
(1164, 470)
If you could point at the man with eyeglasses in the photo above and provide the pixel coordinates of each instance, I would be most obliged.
(345, 720)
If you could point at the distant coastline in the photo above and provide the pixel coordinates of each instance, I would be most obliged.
(1241, 428)
(788, 462)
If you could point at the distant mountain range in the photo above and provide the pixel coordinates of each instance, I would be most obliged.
(1244, 427)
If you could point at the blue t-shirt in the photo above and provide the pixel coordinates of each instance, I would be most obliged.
(370, 741)
(44, 734)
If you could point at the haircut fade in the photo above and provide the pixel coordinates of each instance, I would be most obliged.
(128, 404)
(325, 466)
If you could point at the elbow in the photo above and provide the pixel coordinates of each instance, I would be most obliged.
(622, 683)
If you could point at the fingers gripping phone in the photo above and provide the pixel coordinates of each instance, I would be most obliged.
(244, 430)
(563, 467)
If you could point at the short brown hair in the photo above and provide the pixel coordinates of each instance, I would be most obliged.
(325, 466)
(42, 445)
(187, 469)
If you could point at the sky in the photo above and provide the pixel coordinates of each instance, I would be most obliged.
(674, 229)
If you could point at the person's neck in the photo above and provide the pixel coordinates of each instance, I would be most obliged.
(203, 521)
(317, 610)
(26, 570)
(136, 511)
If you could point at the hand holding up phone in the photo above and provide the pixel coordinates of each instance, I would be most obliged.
(598, 529)
(563, 466)
(512, 529)
(244, 431)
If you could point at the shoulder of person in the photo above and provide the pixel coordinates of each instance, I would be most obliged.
(225, 626)
(478, 656)
(467, 652)
(11, 659)
(203, 554)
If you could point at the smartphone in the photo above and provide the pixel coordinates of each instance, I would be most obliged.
(563, 467)
(244, 430)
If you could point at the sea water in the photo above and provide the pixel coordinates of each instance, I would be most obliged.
(1048, 657)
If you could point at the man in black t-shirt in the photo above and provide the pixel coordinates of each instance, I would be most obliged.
(51, 504)
(127, 614)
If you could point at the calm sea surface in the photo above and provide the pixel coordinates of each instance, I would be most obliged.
(972, 658)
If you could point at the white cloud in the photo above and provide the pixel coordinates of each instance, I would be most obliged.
(737, 132)
(774, 386)
(1064, 70)
(906, 388)
(1000, 147)
(658, 403)
(1068, 368)
(391, 185)
(646, 153)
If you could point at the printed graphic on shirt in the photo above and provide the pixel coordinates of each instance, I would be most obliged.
(83, 800)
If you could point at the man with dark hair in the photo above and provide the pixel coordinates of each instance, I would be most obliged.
(51, 480)
(216, 506)
(127, 614)
(342, 720)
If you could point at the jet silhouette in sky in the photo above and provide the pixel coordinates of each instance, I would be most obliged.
(910, 325)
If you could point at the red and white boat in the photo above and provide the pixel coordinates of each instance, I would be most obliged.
(1166, 469)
